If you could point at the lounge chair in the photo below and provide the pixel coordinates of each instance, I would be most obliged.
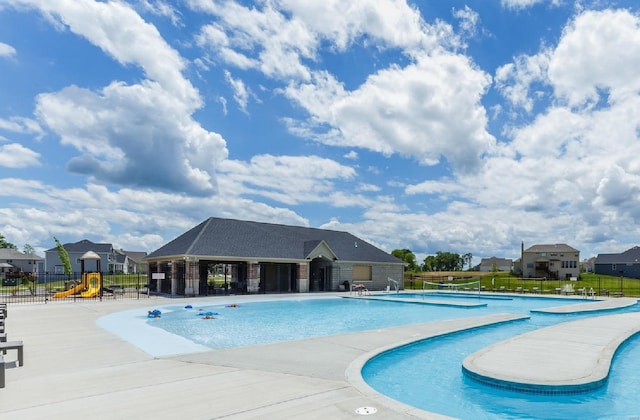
(360, 289)
(567, 289)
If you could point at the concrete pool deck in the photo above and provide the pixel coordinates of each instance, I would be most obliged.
(75, 369)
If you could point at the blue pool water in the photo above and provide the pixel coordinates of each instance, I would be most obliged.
(271, 321)
(407, 375)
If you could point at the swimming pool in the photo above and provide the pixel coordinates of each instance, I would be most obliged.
(406, 374)
(269, 321)
(260, 321)
(182, 330)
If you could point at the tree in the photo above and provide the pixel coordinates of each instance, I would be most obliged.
(408, 257)
(28, 249)
(429, 263)
(448, 261)
(64, 257)
(5, 244)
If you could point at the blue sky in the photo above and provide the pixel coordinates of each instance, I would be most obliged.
(465, 127)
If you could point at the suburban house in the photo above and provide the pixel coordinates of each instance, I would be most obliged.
(588, 265)
(269, 258)
(626, 264)
(14, 261)
(111, 260)
(555, 261)
(133, 262)
(501, 264)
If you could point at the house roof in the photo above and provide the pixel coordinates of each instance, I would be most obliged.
(629, 256)
(551, 248)
(84, 246)
(496, 260)
(136, 256)
(14, 254)
(217, 238)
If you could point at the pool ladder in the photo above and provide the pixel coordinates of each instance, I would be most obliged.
(586, 294)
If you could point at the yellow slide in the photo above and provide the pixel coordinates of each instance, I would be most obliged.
(90, 287)
(77, 289)
(91, 292)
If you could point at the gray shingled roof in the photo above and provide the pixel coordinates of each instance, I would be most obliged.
(629, 256)
(14, 254)
(498, 261)
(551, 248)
(84, 246)
(217, 238)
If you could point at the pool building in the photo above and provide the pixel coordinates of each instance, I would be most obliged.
(268, 258)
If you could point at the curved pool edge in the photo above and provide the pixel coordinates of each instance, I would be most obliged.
(597, 305)
(353, 373)
(571, 357)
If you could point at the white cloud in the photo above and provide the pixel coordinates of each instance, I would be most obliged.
(161, 8)
(441, 187)
(570, 175)
(425, 111)
(240, 91)
(141, 134)
(353, 155)
(22, 125)
(271, 177)
(133, 135)
(597, 58)
(468, 20)
(523, 4)
(14, 155)
(284, 35)
(279, 43)
(120, 32)
(365, 187)
(7, 50)
(514, 80)
(128, 218)
(393, 23)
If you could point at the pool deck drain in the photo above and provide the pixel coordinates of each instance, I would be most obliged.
(365, 411)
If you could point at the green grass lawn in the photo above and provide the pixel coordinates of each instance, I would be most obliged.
(490, 281)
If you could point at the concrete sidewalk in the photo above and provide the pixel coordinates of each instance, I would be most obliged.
(75, 369)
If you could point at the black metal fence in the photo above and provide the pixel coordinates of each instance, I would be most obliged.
(52, 288)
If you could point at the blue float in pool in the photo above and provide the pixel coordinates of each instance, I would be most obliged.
(154, 314)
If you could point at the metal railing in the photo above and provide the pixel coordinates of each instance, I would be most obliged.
(51, 288)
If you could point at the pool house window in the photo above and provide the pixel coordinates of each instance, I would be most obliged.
(361, 273)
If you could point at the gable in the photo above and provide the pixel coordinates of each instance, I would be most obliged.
(320, 250)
